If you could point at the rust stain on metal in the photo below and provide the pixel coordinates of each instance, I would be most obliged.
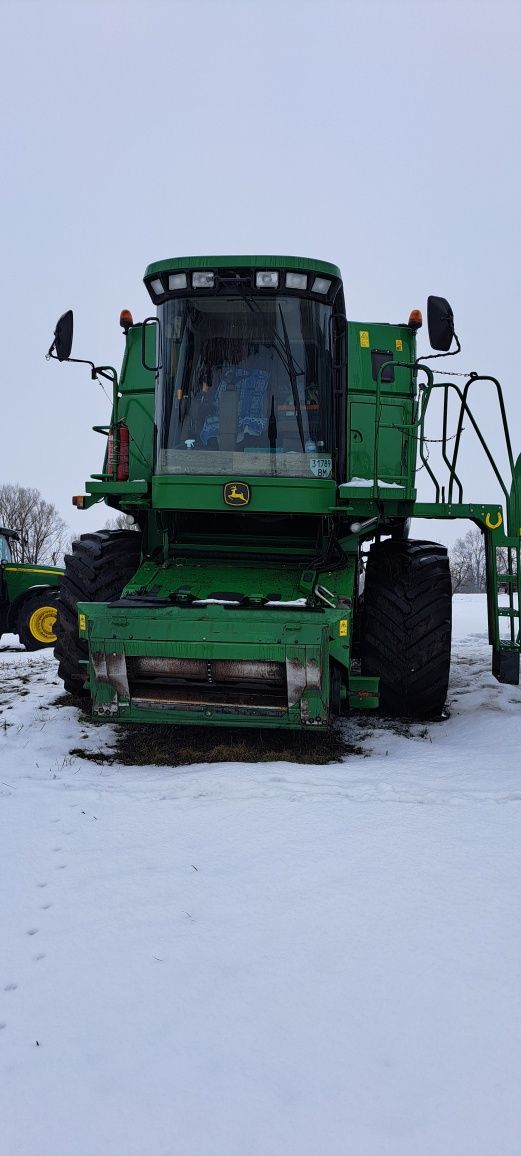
(296, 677)
(111, 669)
(313, 675)
(206, 670)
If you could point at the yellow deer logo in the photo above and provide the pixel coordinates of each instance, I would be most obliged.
(236, 494)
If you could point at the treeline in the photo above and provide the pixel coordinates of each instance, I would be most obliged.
(44, 536)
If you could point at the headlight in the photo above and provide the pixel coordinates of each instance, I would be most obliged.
(203, 280)
(267, 279)
(296, 281)
(177, 281)
(320, 285)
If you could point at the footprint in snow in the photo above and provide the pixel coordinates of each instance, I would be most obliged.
(10, 987)
(32, 931)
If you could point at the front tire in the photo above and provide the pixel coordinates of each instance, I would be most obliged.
(406, 629)
(99, 567)
(36, 622)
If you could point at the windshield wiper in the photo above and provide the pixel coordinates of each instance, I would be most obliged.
(293, 379)
(272, 426)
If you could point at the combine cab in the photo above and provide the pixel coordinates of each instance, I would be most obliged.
(266, 448)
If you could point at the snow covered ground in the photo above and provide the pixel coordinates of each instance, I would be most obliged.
(268, 959)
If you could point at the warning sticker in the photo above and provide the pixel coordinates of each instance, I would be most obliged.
(364, 338)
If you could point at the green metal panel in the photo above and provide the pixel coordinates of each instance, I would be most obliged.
(136, 404)
(294, 495)
(392, 463)
(19, 578)
(381, 433)
(202, 576)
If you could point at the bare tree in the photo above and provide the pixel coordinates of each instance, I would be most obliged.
(460, 567)
(43, 533)
(468, 564)
(121, 522)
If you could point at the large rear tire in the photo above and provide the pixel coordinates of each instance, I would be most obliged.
(99, 567)
(406, 626)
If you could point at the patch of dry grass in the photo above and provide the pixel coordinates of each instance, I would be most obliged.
(175, 746)
(144, 744)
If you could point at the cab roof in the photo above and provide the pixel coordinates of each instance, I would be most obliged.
(256, 262)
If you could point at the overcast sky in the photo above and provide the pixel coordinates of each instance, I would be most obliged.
(383, 137)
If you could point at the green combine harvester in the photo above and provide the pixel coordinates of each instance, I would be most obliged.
(266, 448)
(28, 597)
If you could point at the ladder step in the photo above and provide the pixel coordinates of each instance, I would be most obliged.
(506, 612)
(505, 578)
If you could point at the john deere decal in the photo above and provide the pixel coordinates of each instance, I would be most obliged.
(236, 494)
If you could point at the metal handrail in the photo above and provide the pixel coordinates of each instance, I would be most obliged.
(454, 480)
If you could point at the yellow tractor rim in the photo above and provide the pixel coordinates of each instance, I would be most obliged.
(41, 624)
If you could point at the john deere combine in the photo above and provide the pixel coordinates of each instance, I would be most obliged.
(266, 447)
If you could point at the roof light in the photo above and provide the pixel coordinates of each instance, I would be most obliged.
(203, 279)
(296, 281)
(177, 281)
(320, 285)
(415, 319)
(267, 279)
(126, 320)
(157, 286)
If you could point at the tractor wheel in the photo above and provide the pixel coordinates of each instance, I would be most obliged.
(406, 626)
(36, 622)
(99, 567)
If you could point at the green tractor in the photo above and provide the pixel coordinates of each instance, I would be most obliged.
(28, 597)
(266, 448)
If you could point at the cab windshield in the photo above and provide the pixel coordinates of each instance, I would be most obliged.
(245, 385)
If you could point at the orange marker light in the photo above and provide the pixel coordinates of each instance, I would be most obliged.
(415, 319)
(78, 501)
(126, 320)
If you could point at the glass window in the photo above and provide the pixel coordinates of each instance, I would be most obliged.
(5, 549)
(245, 386)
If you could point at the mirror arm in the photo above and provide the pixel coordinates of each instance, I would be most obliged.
(76, 360)
(449, 353)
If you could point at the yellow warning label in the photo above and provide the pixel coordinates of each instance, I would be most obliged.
(399, 344)
(364, 339)
(82, 622)
(342, 627)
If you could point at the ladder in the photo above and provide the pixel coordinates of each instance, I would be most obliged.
(506, 645)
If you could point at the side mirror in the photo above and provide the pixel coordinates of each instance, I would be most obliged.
(440, 322)
(62, 343)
